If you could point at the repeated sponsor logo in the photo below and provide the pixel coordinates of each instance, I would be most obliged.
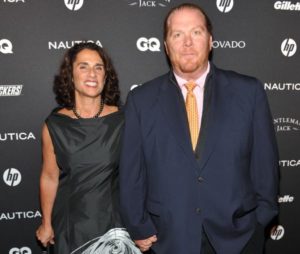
(20, 215)
(148, 3)
(11, 90)
(289, 163)
(225, 5)
(74, 5)
(6, 46)
(134, 86)
(16, 136)
(12, 177)
(286, 124)
(13, 1)
(22, 250)
(229, 44)
(288, 47)
(152, 44)
(277, 232)
(287, 6)
(55, 45)
(282, 86)
(286, 199)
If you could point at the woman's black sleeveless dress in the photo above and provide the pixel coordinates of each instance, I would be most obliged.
(85, 215)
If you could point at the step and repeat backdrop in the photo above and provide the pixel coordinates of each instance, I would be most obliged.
(260, 38)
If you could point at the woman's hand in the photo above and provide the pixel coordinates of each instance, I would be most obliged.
(45, 235)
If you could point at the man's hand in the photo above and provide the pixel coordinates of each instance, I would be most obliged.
(146, 244)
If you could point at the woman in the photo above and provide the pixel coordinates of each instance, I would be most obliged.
(79, 179)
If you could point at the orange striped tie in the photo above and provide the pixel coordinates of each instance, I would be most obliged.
(192, 112)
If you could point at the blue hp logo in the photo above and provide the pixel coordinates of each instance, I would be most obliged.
(12, 177)
(224, 5)
(288, 47)
(74, 5)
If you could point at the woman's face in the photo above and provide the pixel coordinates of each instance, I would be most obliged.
(88, 74)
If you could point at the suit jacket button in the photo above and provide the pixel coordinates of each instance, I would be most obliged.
(198, 210)
(200, 179)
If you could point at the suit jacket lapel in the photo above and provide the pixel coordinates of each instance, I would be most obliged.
(173, 107)
(220, 103)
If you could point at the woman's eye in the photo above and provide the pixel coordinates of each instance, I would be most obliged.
(82, 67)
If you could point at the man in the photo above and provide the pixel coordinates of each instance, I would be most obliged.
(212, 190)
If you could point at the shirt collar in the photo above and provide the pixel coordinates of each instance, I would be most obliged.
(199, 81)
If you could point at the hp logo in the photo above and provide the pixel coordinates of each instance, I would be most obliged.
(74, 5)
(12, 177)
(277, 232)
(225, 5)
(288, 47)
(23, 250)
(144, 44)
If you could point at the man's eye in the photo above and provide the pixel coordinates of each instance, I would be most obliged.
(176, 35)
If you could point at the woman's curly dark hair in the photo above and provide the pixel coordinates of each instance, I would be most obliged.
(64, 86)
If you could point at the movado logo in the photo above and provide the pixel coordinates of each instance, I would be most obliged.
(288, 47)
(143, 44)
(6, 46)
(225, 5)
(74, 5)
(229, 44)
(22, 250)
(277, 232)
(148, 3)
(12, 177)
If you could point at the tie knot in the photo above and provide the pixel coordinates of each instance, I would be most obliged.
(190, 86)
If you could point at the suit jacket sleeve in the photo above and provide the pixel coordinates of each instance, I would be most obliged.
(264, 159)
(133, 183)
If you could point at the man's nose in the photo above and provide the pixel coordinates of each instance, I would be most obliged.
(188, 40)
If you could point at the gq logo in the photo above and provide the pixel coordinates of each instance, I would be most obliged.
(144, 44)
(288, 47)
(12, 177)
(277, 232)
(22, 250)
(6, 46)
(74, 5)
(225, 5)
